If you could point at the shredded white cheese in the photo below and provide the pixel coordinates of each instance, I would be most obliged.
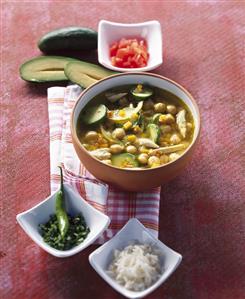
(136, 267)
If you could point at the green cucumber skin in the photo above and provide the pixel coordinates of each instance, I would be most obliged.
(69, 38)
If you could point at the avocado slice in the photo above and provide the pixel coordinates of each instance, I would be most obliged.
(92, 72)
(45, 68)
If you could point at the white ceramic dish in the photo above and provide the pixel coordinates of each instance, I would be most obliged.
(133, 231)
(109, 32)
(75, 204)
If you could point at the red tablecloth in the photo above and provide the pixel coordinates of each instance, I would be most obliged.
(202, 212)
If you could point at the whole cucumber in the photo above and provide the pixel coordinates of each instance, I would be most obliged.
(68, 38)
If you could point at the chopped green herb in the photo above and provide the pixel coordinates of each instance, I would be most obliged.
(75, 235)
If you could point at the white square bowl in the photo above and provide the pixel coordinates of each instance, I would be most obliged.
(110, 32)
(75, 204)
(133, 232)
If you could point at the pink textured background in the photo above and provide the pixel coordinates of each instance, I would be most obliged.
(202, 212)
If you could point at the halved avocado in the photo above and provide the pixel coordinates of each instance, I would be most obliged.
(83, 80)
(45, 68)
(74, 71)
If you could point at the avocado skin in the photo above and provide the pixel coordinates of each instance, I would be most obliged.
(69, 38)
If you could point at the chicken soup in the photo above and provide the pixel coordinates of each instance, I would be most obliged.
(136, 127)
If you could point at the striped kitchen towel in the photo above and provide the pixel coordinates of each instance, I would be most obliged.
(119, 205)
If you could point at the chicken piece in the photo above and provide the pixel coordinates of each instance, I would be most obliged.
(147, 143)
(181, 122)
(114, 97)
(169, 149)
(101, 153)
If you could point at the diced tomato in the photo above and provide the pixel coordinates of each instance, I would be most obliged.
(113, 49)
(123, 43)
(119, 62)
(123, 53)
(113, 60)
(129, 53)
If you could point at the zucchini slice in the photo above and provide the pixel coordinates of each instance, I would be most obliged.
(124, 160)
(141, 92)
(153, 132)
(94, 114)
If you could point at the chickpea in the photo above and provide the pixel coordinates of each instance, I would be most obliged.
(123, 102)
(91, 136)
(173, 156)
(143, 158)
(116, 148)
(170, 119)
(171, 109)
(167, 119)
(148, 105)
(165, 129)
(131, 149)
(189, 126)
(118, 133)
(175, 139)
(160, 107)
(153, 161)
(164, 159)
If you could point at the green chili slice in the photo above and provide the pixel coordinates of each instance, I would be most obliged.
(63, 222)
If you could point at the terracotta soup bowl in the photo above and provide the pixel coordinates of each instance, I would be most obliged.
(134, 179)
